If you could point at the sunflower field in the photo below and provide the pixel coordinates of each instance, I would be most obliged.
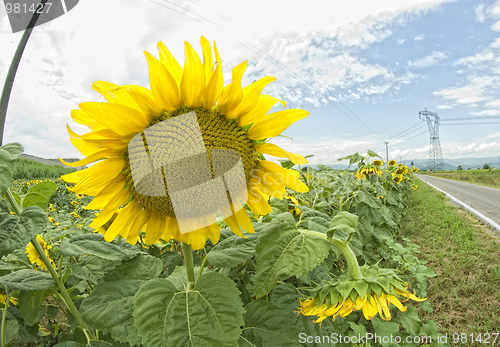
(182, 233)
(322, 262)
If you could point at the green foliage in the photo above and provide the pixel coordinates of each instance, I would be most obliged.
(166, 315)
(25, 169)
(8, 153)
(246, 291)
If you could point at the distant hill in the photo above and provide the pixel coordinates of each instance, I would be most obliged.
(449, 164)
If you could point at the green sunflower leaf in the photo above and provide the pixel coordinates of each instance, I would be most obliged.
(209, 315)
(27, 279)
(282, 249)
(16, 231)
(8, 155)
(232, 249)
(94, 244)
(110, 303)
(39, 195)
(266, 325)
(30, 302)
(410, 320)
(11, 329)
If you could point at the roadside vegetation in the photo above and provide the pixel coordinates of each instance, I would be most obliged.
(464, 254)
(484, 177)
(26, 169)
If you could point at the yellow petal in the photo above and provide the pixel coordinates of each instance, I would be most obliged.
(99, 175)
(290, 178)
(101, 134)
(111, 208)
(121, 119)
(170, 63)
(272, 186)
(242, 218)
(213, 89)
(89, 147)
(193, 78)
(208, 62)
(121, 225)
(251, 96)
(137, 225)
(396, 302)
(232, 94)
(263, 106)
(83, 118)
(272, 149)
(155, 227)
(107, 193)
(143, 100)
(257, 203)
(94, 157)
(163, 86)
(275, 123)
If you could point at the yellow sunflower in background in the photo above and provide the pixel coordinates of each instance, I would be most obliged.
(33, 255)
(229, 117)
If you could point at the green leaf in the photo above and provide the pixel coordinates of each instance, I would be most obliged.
(89, 268)
(15, 232)
(125, 332)
(383, 328)
(39, 195)
(410, 320)
(281, 249)
(95, 244)
(286, 297)
(8, 154)
(11, 330)
(110, 303)
(210, 314)
(30, 302)
(318, 224)
(430, 329)
(27, 279)
(232, 249)
(265, 325)
(344, 221)
(142, 267)
(372, 154)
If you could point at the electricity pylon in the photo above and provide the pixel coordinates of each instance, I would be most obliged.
(435, 154)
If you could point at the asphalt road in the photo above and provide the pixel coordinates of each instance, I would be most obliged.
(483, 199)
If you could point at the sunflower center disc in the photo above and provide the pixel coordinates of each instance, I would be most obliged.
(190, 165)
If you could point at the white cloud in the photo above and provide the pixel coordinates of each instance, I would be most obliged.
(430, 60)
(480, 13)
(419, 37)
(444, 107)
(400, 41)
(472, 92)
(476, 59)
(494, 103)
(486, 113)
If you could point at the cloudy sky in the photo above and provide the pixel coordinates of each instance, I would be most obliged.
(362, 68)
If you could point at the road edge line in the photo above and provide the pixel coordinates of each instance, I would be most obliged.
(475, 212)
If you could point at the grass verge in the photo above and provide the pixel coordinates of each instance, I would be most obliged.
(483, 177)
(29, 169)
(466, 293)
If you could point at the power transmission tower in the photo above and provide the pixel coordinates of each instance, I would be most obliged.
(435, 154)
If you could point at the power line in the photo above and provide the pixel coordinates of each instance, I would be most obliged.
(347, 112)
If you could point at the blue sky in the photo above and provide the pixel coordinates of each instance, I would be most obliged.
(379, 62)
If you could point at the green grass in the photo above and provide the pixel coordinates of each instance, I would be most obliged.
(485, 177)
(26, 169)
(466, 293)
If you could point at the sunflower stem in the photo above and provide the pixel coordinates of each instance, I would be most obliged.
(13, 202)
(343, 246)
(62, 289)
(4, 317)
(188, 260)
(203, 264)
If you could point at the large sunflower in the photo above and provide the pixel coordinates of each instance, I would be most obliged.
(230, 119)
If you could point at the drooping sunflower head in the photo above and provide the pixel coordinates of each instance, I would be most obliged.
(378, 162)
(366, 170)
(33, 255)
(345, 296)
(392, 162)
(414, 169)
(175, 156)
